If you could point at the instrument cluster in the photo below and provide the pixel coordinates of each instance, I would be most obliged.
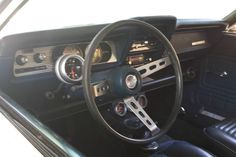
(43, 59)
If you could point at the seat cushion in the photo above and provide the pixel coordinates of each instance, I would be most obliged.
(224, 135)
(175, 148)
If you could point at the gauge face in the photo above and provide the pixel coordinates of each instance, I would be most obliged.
(73, 68)
(72, 50)
(66, 50)
(102, 54)
(98, 55)
(106, 52)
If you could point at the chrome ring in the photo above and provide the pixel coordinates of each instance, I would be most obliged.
(145, 100)
(116, 109)
(60, 68)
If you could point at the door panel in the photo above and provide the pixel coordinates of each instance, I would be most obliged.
(215, 90)
(217, 87)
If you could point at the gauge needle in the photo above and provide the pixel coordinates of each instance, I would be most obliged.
(73, 72)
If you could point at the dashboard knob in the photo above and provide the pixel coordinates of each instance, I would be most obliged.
(21, 60)
(191, 73)
(40, 57)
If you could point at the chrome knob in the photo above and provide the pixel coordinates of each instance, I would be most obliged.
(40, 57)
(21, 60)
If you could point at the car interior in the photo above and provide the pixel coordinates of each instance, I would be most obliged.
(153, 86)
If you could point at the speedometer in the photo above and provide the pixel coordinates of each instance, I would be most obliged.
(102, 54)
(68, 68)
(98, 55)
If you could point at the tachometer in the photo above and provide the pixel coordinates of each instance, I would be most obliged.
(73, 68)
(68, 68)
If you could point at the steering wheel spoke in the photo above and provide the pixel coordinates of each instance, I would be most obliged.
(137, 109)
(153, 67)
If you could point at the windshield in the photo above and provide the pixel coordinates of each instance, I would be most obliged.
(52, 14)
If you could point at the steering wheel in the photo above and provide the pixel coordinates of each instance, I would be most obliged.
(127, 81)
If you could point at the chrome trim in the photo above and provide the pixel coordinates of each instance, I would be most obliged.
(57, 69)
(212, 115)
(42, 56)
(31, 62)
(131, 81)
(38, 126)
(137, 109)
(153, 67)
(197, 27)
(151, 147)
(63, 64)
(158, 81)
(200, 42)
(116, 109)
(60, 68)
(48, 62)
(100, 88)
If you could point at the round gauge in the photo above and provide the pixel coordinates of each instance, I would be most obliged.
(66, 50)
(102, 54)
(106, 52)
(72, 50)
(120, 109)
(98, 55)
(68, 68)
(142, 99)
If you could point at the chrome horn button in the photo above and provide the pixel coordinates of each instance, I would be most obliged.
(125, 81)
(131, 81)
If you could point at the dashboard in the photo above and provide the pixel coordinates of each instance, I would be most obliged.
(30, 61)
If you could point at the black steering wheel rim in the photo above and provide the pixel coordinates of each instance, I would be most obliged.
(90, 99)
